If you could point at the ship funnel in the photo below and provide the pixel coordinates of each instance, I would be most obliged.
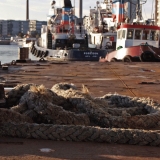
(27, 9)
(67, 14)
(67, 4)
(118, 10)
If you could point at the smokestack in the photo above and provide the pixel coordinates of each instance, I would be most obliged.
(27, 10)
(80, 8)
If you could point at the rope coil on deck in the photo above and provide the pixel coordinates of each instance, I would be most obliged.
(81, 133)
(66, 113)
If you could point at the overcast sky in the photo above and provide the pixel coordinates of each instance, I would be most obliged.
(16, 9)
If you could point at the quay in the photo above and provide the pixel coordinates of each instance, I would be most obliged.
(130, 79)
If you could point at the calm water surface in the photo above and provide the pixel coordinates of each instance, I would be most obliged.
(9, 53)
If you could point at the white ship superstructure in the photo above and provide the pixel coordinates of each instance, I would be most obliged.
(101, 27)
(64, 37)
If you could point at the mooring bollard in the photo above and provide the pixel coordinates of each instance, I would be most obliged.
(2, 96)
(23, 54)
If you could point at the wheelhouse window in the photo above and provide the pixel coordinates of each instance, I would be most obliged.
(138, 34)
(119, 34)
(154, 36)
(130, 34)
(145, 35)
(124, 34)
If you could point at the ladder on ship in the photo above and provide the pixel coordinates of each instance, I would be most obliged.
(49, 37)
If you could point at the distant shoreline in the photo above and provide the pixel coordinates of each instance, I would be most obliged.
(4, 42)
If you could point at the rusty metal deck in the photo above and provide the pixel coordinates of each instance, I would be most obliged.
(132, 79)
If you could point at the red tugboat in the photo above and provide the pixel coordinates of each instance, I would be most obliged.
(136, 42)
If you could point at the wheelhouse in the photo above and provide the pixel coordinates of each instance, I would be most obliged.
(136, 34)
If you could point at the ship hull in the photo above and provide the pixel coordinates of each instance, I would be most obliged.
(88, 54)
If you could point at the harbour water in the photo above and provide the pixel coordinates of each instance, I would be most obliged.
(9, 53)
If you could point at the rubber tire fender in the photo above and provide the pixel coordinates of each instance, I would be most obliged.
(147, 56)
(38, 53)
(127, 59)
(41, 54)
(46, 53)
(114, 60)
(34, 51)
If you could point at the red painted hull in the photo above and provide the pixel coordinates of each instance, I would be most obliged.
(133, 52)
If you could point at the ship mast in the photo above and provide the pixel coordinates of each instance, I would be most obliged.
(139, 13)
(27, 9)
(80, 8)
(139, 9)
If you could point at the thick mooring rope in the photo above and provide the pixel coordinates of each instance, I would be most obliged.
(81, 133)
(65, 113)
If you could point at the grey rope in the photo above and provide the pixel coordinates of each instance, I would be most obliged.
(65, 113)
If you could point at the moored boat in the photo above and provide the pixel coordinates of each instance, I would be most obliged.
(64, 37)
(137, 41)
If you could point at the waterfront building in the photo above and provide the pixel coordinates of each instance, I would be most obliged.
(15, 27)
(35, 26)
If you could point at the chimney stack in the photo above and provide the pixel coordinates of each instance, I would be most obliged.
(27, 9)
(80, 8)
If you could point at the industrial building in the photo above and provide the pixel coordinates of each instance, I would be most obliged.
(35, 26)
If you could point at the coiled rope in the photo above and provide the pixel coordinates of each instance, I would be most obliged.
(66, 113)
